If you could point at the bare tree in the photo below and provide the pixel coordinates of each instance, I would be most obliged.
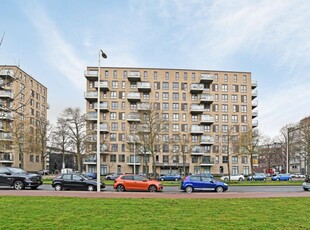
(76, 126)
(60, 138)
(304, 128)
(248, 144)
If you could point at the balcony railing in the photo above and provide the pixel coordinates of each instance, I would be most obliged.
(206, 98)
(91, 95)
(254, 104)
(207, 160)
(133, 159)
(7, 72)
(254, 94)
(91, 116)
(103, 106)
(197, 108)
(134, 76)
(134, 96)
(6, 136)
(103, 84)
(206, 119)
(144, 86)
(197, 150)
(133, 117)
(196, 88)
(5, 93)
(254, 123)
(254, 84)
(197, 129)
(206, 140)
(206, 78)
(9, 158)
(91, 74)
(144, 106)
(6, 116)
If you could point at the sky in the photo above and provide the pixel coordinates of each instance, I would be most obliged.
(55, 40)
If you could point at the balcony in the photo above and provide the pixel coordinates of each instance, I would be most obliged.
(206, 119)
(103, 106)
(91, 96)
(254, 114)
(132, 139)
(104, 127)
(134, 96)
(143, 151)
(92, 116)
(206, 98)
(133, 117)
(6, 94)
(6, 137)
(195, 108)
(7, 73)
(254, 94)
(90, 160)
(6, 158)
(144, 86)
(254, 84)
(254, 104)
(5, 84)
(197, 129)
(133, 160)
(6, 116)
(91, 138)
(206, 140)
(254, 124)
(197, 151)
(91, 74)
(104, 85)
(143, 128)
(134, 76)
(144, 106)
(206, 161)
(196, 88)
(206, 78)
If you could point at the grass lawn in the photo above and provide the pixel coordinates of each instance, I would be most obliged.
(90, 213)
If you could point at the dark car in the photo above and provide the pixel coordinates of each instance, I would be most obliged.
(18, 178)
(170, 177)
(202, 183)
(75, 181)
(113, 176)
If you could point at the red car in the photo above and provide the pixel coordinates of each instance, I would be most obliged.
(136, 183)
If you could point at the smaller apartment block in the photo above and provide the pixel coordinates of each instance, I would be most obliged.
(23, 105)
(204, 107)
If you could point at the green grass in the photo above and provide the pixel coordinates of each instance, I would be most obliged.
(96, 213)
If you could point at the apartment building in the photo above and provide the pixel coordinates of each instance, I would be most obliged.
(23, 105)
(206, 107)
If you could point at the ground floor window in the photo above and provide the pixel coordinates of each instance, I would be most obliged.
(235, 170)
(246, 170)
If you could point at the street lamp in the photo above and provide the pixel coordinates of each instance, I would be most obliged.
(101, 54)
(134, 149)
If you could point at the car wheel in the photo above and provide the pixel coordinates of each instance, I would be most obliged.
(176, 179)
(305, 189)
(278, 179)
(162, 179)
(35, 187)
(189, 189)
(264, 179)
(108, 178)
(90, 188)
(219, 189)
(18, 185)
(290, 179)
(240, 179)
(120, 188)
(58, 187)
(226, 179)
(152, 188)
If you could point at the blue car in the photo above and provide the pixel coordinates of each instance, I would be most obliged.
(170, 177)
(202, 183)
(281, 177)
(257, 176)
(91, 175)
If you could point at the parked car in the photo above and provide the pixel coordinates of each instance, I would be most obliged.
(233, 177)
(18, 178)
(91, 175)
(281, 177)
(75, 181)
(113, 176)
(298, 175)
(170, 177)
(306, 184)
(257, 176)
(136, 183)
(202, 183)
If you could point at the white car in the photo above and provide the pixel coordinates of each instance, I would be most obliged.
(233, 177)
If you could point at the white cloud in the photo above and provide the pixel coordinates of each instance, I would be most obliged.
(58, 52)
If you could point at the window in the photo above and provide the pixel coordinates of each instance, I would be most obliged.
(225, 77)
(175, 127)
(215, 87)
(243, 89)
(224, 97)
(243, 108)
(224, 108)
(146, 96)
(114, 84)
(235, 88)
(244, 119)
(175, 85)
(175, 106)
(235, 78)
(114, 147)
(234, 159)
(114, 73)
(112, 136)
(165, 96)
(234, 98)
(244, 159)
(225, 159)
(194, 138)
(175, 117)
(121, 158)
(224, 128)
(133, 85)
(234, 118)
(114, 126)
(157, 96)
(165, 159)
(243, 128)
(194, 118)
(156, 85)
(235, 170)
(123, 84)
(193, 76)
(113, 116)
(224, 88)
(155, 75)
(165, 106)
(184, 96)
(185, 76)
(114, 105)
(175, 96)
(183, 86)
(112, 158)
(177, 76)
(113, 95)
(165, 85)
(244, 78)
(243, 98)
(235, 108)
(167, 75)
(165, 116)
(145, 74)
(225, 118)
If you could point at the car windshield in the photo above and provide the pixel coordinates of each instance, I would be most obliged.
(18, 171)
(85, 177)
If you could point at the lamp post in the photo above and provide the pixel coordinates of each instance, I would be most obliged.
(101, 54)
(134, 148)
